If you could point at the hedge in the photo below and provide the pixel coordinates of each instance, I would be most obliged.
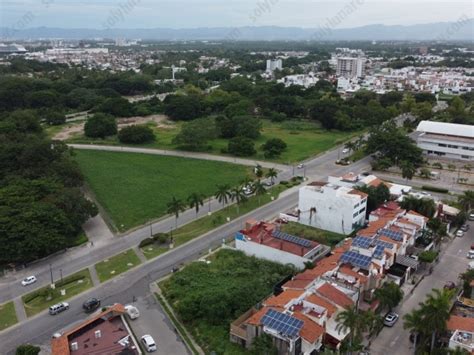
(43, 292)
(145, 242)
(435, 189)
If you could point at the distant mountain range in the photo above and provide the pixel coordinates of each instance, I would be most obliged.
(444, 31)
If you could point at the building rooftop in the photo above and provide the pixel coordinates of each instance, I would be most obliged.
(446, 129)
(332, 293)
(465, 324)
(105, 333)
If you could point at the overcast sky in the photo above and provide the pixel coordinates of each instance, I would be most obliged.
(228, 13)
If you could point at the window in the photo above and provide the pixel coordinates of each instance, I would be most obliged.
(356, 205)
(362, 210)
(355, 214)
(465, 156)
(441, 145)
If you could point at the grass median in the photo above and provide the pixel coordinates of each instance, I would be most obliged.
(44, 297)
(7, 315)
(116, 265)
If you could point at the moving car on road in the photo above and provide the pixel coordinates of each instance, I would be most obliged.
(28, 280)
(91, 305)
(58, 308)
(471, 216)
(459, 233)
(149, 343)
(465, 227)
(300, 166)
(390, 319)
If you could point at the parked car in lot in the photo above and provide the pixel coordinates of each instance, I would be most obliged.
(91, 305)
(465, 227)
(58, 308)
(248, 190)
(28, 280)
(470, 254)
(132, 311)
(390, 319)
(149, 343)
(459, 233)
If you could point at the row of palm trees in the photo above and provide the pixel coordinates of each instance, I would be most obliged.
(224, 194)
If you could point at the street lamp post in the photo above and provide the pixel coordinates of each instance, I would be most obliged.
(151, 229)
(61, 273)
(51, 272)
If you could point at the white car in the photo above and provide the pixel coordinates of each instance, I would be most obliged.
(471, 265)
(149, 343)
(300, 166)
(459, 233)
(345, 151)
(28, 280)
(390, 319)
(132, 311)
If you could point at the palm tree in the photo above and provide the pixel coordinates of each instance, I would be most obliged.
(259, 189)
(223, 194)
(258, 171)
(389, 295)
(175, 206)
(350, 146)
(195, 200)
(352, 321)
(272, 174)
(414, 322)
(466, 200)
(238, 196)
(436, 312)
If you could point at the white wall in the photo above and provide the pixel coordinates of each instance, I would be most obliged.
(334, 212)
(265, 252)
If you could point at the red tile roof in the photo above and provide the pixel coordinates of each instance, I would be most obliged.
(311, 331)
(315, 299)
(334, 295)
(461, 323)
(283, 298)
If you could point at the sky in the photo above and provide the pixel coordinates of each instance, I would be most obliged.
(225, 13)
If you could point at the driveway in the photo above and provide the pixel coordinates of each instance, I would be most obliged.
(453, 261)
(153, 321)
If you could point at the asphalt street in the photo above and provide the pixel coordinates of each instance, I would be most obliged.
(453, 262)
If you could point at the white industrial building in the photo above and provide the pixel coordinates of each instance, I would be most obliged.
(338, 209)
(446, 140)
(350, 67)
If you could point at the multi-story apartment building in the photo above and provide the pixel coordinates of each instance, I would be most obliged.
(350, 67)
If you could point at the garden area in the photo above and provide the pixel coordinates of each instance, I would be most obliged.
(207, 297)
(116, 265)
(135, 188)
(41, 299)
(312, 233)
(7, 315)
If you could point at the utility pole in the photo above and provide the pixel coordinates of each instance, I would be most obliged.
(51, 272)
(61, 273)
(151, 229)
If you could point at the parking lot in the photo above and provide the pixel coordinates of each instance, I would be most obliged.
(153, 321)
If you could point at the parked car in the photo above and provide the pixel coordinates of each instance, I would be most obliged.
(132, 311)
(343, 162)
(300, 166)
(465, 227)
(58, 308)
(470, 254)
(175, 269)
(459, 233)
(248, 190)
(268, 183)
(450, 285)
(28, 280)
(149, 343)
(471, 216)
(345, 151)
(471, 265)
(91, 305)
(390, 319)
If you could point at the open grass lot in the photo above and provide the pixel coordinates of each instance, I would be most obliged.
(116, 265)
(44, 297)
(208, 297)
(7, 315)
(303, 138)
(135, 188)
(319, 235)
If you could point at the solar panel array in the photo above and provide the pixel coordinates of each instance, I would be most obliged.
(398, 236)
(282, 323)
(291, 238)
(362, 242)
(384, 244)
(356, 259)
(378, 251)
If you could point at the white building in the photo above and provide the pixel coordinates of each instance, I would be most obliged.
(273, 64)
(446, 140)
(333, 208)
(350, 67)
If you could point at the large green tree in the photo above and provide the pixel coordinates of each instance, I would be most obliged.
(389, 295)
(100, 125)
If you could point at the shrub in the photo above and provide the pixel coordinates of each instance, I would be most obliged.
(437, 165)
(428, 256)
(241, 147)
(435, 189)
(161, 238)
(284, 182)
(145, 242)
(273, 147)
(136, 134)
(27, 349)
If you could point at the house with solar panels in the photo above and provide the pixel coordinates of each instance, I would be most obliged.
(265, 240)
(334, 208)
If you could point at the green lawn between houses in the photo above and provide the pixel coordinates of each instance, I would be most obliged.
(135, 188)
(303, 138)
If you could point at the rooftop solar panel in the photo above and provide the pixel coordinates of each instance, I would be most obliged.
(384, 244)
(291, 238)
(378, 251)
(282, 323)
(362, 242)
(398, 236)
(356, 259)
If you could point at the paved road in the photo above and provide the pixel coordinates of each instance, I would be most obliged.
(181, 154)
(453, 261)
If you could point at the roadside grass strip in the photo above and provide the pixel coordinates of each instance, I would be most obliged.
(153, 250)
(44, 297)
(116, 265)
(7, 315)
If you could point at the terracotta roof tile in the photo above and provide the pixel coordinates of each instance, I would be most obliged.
(283, 298)
(334, 295)
(323, 303)
(311, 331)
(461, 323)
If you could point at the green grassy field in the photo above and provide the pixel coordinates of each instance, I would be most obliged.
(116, 265)
(135, 188)
(41, 299)
(319, 235)
(153, 250)
(303, 138)
(7, 315)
